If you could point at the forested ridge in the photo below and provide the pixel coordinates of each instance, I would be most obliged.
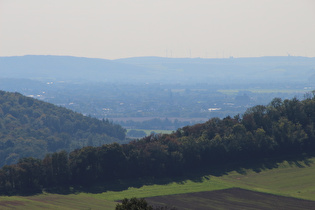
(29, 127)
(278, 129)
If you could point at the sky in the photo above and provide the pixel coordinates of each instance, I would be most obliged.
(114, 29)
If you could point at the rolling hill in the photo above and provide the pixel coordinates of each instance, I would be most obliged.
(29, 127)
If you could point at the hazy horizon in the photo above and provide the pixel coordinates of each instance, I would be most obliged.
(178, 29)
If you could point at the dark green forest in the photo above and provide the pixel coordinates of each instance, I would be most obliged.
(32, 128)
(283, 127)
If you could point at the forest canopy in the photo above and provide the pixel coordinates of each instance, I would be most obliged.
(33, 128)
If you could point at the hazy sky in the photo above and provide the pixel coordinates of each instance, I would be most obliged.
(174, 28)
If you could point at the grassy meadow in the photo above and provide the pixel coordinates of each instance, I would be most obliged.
(286, 178)
(289, 179)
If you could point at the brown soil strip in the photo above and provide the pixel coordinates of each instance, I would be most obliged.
(11, 203)
(233, 198)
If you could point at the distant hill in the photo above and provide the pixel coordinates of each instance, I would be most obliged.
(29, 127)
(230, 70)
(160, 70)
(66, 68)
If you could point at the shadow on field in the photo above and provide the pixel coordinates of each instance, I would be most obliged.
(258, 165)
(195, 175)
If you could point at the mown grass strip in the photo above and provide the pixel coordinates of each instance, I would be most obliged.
(166, 189)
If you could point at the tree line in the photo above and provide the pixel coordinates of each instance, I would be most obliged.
(280, 128)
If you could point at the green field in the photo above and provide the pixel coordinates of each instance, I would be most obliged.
(295, 180)
(286, 178)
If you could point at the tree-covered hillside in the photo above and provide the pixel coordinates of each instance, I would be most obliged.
(29, 127)
(282, 128)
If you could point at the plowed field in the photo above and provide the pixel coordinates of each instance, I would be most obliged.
(234, 198)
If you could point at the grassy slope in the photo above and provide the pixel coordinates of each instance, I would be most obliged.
(295, 179)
